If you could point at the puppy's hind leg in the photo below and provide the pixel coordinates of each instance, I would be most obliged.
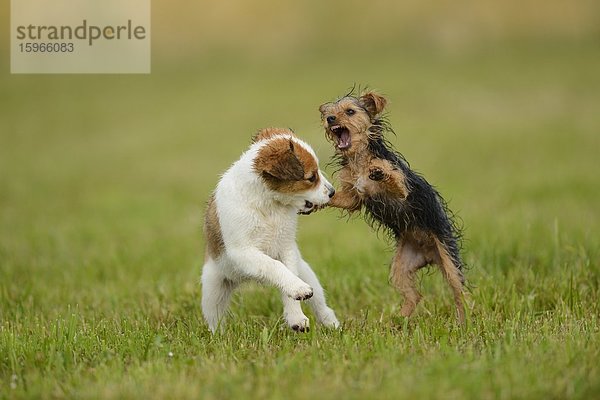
(323, 313)
(454, 277)
(216, 292)
(407, 260)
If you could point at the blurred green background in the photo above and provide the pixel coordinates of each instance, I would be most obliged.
(103, 178)
(496, 102)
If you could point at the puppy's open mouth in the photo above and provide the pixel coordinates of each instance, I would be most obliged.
(341, 135)
(308, 208)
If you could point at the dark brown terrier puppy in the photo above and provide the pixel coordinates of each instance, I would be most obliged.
(375, 176)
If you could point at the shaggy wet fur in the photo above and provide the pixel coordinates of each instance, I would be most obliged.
(377, 179)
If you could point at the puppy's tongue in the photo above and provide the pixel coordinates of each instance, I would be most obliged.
(344, 140)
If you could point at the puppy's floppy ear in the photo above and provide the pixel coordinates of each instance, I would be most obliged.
(277, 161)
(373, 103)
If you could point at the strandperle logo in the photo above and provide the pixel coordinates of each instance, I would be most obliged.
(84, 31)
(87, 36)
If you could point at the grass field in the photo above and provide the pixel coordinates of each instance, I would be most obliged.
(102, 187)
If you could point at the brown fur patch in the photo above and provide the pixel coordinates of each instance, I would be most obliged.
(267, 133)
(286, 166)
(309, 164)
(212, 230)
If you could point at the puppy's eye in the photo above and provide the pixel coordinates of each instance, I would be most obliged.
(350, 112)
(312, 178)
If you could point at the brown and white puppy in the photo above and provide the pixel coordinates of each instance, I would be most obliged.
(250, 228)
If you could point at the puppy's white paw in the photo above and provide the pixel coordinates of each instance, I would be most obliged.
(300, 324)
(300, 292)
(327, 318)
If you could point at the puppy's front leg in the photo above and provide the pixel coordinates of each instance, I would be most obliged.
(390, 179)
(346, 198)
(292, 309)
(253, 263)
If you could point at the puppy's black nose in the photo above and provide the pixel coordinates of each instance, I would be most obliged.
(331, 192)
(331, 119)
